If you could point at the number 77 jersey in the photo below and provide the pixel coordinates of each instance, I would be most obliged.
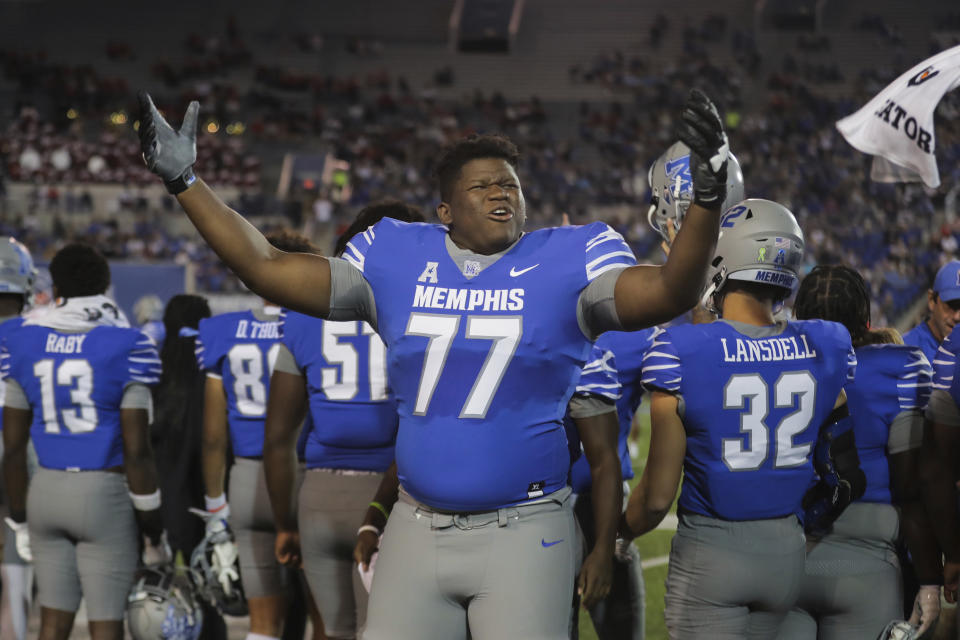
(483, 360)
(753, 400)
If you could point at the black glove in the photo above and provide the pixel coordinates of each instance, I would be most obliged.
(169, 154)
(702, 130)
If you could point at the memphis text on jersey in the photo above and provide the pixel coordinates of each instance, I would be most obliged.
(428, 297)
(768, 349)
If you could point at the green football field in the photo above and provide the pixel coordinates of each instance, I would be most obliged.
(654, 547)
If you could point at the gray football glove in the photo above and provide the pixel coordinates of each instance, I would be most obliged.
(701, 129)
(169, 154)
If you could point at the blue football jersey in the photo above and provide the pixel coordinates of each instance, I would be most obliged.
(75, 383)
(597, 378)
(921, 336)
(6, 328)
(482, 367)
(629, 349)
(353, 412)
(752, 409)
(891, 379)
(241, 350)
(945, 364)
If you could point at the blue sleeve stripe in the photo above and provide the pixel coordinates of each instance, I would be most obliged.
(606, 235)
(611, 255)
(660, 354)
(353, 256)
(672, 384)
(661, 367)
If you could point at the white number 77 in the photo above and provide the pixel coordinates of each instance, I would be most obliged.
(505, 331)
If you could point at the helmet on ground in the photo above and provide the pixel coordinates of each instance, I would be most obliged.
(671, 187)
(17, 272)
(760, 241)
(229, 601)
(163, 606)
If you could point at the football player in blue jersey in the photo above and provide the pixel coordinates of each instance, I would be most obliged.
(943, 305)
(336, 371)
(77, 384)
(486, 329)
(17, 275)
(737, 407)
(886, 400)
(238, 351)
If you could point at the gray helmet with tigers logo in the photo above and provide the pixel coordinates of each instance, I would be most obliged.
(760, 241)
(17, 272)
(671, 187)
(162, 605)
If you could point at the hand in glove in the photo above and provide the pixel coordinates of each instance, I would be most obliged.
(169, 154)
(926, 608)
(701, 129)
(225, 554)
(22, 538)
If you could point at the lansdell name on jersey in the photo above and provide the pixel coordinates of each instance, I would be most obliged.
(65, 344)
(468, 299)
(258, 330)
(768, 350)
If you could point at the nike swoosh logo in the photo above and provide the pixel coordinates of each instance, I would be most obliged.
(550, 544)
(514, 273)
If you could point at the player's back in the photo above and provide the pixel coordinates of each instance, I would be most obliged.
(753, 400)
(891, 381)
(353, 414)
(241, 348)
(75, 382)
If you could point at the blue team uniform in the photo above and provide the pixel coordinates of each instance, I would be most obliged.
(6, 328)
(241, 349)
(891, 379)
(597, 378)
(74, 383)
(482, 367)
(921, 336)
(752, 409)
(353, 415)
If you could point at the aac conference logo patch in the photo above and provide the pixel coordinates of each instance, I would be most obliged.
(923, 76)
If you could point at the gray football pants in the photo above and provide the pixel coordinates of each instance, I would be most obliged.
(732, 580)
(486, 576)
(84, 540)
(332, 506)
(852, 586)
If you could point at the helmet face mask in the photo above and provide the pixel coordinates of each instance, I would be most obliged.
(761, 242)
(671, 188)
(205, 576)
(163, 606)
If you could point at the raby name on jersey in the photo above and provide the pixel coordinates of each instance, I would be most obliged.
(258, 330)
(65, 344)
(768, 350)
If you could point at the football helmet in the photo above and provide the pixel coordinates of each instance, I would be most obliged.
(671, 187)
(219, 585)
(17, 272)
(162, 606)
(760, 241)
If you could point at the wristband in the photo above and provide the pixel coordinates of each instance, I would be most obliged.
(379, 507)
(215, 504)
(182, 182)
(146, 502)
(369, 527)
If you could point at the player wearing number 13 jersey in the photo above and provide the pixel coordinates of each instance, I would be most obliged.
(486, 331)
(237, 351)
(738, 405)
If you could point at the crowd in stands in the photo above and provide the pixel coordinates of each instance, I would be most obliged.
(389, 134)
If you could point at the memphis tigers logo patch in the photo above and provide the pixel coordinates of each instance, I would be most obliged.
(679, 180)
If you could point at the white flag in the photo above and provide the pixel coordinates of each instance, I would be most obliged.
(897, 124)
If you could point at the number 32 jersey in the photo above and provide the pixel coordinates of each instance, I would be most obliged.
(241, 349)
(752, 408)
(482, 367)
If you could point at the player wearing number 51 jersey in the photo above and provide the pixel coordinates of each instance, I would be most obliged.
(738, 405)
(237, 351)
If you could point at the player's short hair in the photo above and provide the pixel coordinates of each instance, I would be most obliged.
(837, 293)
(756, 290)
(79, 270)
(374, 213)
(454, 156)
(290, 241)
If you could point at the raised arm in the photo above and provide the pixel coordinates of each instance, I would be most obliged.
(646, 295)
(297, 281)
